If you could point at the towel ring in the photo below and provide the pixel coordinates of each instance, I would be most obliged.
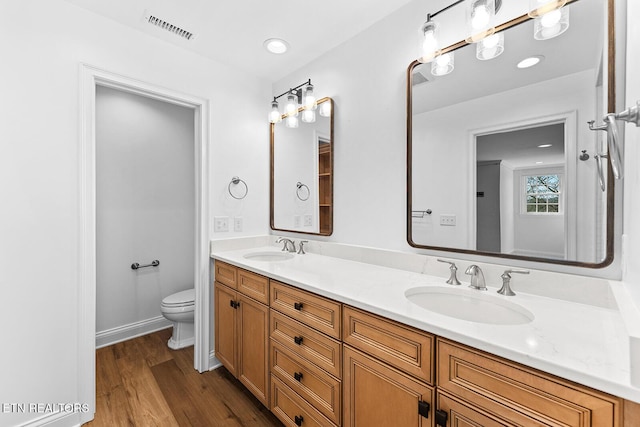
(235, 181)
(299, 186)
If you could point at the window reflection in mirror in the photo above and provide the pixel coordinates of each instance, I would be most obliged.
(468, 159)
(302, 174)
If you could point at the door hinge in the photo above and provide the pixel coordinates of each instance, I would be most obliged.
(424, 408)
(441, 418)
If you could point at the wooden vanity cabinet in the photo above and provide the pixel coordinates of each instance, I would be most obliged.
(306, 357)
(242, 328)
(388, 372)
(477, 388)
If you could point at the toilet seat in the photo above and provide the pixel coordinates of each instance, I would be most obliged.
(180, 299)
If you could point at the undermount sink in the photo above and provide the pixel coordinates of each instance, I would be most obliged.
(269, 256)
(466, 304)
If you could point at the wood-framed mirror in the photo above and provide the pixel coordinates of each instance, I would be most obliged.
(302, 174)
(500, 160)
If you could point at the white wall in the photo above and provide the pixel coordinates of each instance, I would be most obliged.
(43, 42)
(145, 201)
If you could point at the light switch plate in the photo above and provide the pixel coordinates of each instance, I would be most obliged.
(448, 219)
(308, 220)
(237, 223)
(297, 221)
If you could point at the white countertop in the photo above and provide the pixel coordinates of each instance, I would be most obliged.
(578, 342)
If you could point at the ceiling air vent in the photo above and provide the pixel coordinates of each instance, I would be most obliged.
(168, 26)
(419, 77)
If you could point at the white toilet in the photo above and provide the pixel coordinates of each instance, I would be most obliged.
(179, 308)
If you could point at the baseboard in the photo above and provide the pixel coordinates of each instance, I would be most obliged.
(214, 363)
(132, 330)
(55, 419)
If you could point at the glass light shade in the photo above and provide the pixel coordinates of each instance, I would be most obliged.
(490, 47)
(443, 64)
(308, 116)
(428, 41)
(274, 114)
(480, 16)
(309, 102)
(551, 24)
(291, 121)
(291, 108)
(542, 7)
(325, 109)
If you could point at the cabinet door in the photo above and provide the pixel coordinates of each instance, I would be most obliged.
(375, 394)
(460, 414)
(253, 347)
(225, 327)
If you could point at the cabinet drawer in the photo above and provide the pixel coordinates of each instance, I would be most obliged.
(253, 285)
(406, 348)
(318, 348)
(317, 387)
(293, 410)
(226, 274)
(320, 313)
(519, 394)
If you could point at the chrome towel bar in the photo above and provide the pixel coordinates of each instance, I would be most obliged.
(136, 266)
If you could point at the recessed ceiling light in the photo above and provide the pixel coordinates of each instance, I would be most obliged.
(544, 145)
(277, 46)
(538, 163)
(530, 62)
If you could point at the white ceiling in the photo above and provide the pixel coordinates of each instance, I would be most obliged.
(233, 32)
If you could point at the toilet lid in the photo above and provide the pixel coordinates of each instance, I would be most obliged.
(181, 298)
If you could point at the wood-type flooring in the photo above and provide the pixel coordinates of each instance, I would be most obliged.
(142, 382)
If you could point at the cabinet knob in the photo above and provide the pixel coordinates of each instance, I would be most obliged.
(297, 376)
(298, 420)
(234, 304)
(298, 340)
(297, 305)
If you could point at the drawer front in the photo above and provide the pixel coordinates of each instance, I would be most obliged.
(293, 410)
(519, 394)
(312, 310)
(253, 285)
(463, 415)
(407, 349)
(226, 274)
(317, 387)
(318, 348)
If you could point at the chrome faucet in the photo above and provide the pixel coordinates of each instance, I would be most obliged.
(288, 244)
(477, 278)
(301, 246)
(453, 279)
(506, 278)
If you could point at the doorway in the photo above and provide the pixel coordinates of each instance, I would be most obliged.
(90, 78)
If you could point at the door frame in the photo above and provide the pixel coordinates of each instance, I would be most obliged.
(90, 77)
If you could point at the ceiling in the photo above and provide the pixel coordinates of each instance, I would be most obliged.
(233, 32)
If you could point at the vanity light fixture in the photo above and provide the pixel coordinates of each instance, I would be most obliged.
(490, 47)
(480, 19)
(443, 64)
(299, 99)
(429, 45)
(551, 24)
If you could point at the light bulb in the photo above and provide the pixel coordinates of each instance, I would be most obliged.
(291, 122)
(443, 64)
(308, 116)
(274, 114)
(480, 20)
(291, 108)
(325, 109)
(309, 98)
(550, 19)
(551, 24)
(480, 16)
(429, 45)
(490, 47)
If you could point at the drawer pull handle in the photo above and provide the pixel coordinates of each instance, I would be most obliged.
(297, 305)
(441, 418)
(298, 420)
(298, 340)
(234, 304)
(297, 376)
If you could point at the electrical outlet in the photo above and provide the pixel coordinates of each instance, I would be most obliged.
(308, 220)
(220, 224)
(448, 219)
(237, 223)
(296, 221)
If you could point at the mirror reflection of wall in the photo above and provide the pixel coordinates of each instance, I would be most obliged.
(454, 116)
(302, 176)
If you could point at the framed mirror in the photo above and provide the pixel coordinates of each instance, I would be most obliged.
(500, 159)
(302, 174)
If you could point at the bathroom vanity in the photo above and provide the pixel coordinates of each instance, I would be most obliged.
(337, 343)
